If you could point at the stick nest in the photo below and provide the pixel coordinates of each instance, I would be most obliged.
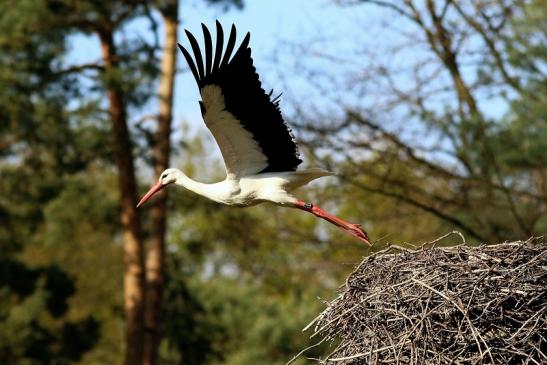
(459, 305)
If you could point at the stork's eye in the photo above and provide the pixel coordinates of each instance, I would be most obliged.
(163, 176)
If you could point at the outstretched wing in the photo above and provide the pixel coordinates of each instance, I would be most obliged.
(244, 120)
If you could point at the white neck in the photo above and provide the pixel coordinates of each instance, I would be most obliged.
(206, 190)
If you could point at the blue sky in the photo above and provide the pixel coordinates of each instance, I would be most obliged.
(272, 24)
(287, 36)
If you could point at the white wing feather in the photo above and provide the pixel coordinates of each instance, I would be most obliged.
(241, 153)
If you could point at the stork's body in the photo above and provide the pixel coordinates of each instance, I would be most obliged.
(258, 148)
(273, 187)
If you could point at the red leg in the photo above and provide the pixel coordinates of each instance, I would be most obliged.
(354, 229)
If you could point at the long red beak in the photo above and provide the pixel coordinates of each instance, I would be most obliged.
(153, 190)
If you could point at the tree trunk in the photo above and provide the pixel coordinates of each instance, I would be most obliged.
(161, 150)
(134, 288)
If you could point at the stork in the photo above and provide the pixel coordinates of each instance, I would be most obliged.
(259, 150)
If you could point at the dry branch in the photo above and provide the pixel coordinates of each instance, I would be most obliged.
(458, 305)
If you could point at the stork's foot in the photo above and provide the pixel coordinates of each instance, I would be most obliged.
(358, 232)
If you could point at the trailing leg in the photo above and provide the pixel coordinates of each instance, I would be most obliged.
(354, 229)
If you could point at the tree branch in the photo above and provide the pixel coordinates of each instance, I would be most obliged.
(511, 81)
(80, 68)
(418, 204)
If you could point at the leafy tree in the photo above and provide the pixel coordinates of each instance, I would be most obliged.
(44, 146)
(34, 327)
(79, 234)
(425, 138)
(38, 147)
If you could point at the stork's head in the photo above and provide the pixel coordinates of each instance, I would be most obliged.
(167, 177)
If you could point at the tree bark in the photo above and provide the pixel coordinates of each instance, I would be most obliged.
(134, 284)
(161, 150)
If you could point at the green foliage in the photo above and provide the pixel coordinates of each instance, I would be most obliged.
(258, 327)
(228, 320)
(522, 135)
(79, 233)
(33, 324)
(52, 156)
(186, 326)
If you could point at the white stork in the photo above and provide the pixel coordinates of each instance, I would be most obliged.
(258, 148)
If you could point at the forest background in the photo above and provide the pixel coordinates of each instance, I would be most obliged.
(433, 114)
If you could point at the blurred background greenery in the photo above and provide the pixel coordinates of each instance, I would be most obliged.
(433, 114)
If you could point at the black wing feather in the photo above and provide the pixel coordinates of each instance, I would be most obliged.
(197, 54)
(190, 62)
(229, 46)
(218, 48)
(208, 49)
(246, 99)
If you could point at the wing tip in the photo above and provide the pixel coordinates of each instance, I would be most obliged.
(189, 34)
(247, 38)
(218, 46)
(230, 45)
(197, 54)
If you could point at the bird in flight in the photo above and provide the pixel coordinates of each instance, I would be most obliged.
(258, 147)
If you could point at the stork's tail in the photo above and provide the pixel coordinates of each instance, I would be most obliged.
(302, 177)
(316, 172)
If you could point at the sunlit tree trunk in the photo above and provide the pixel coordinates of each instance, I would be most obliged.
(134, 285)
(161, 150)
